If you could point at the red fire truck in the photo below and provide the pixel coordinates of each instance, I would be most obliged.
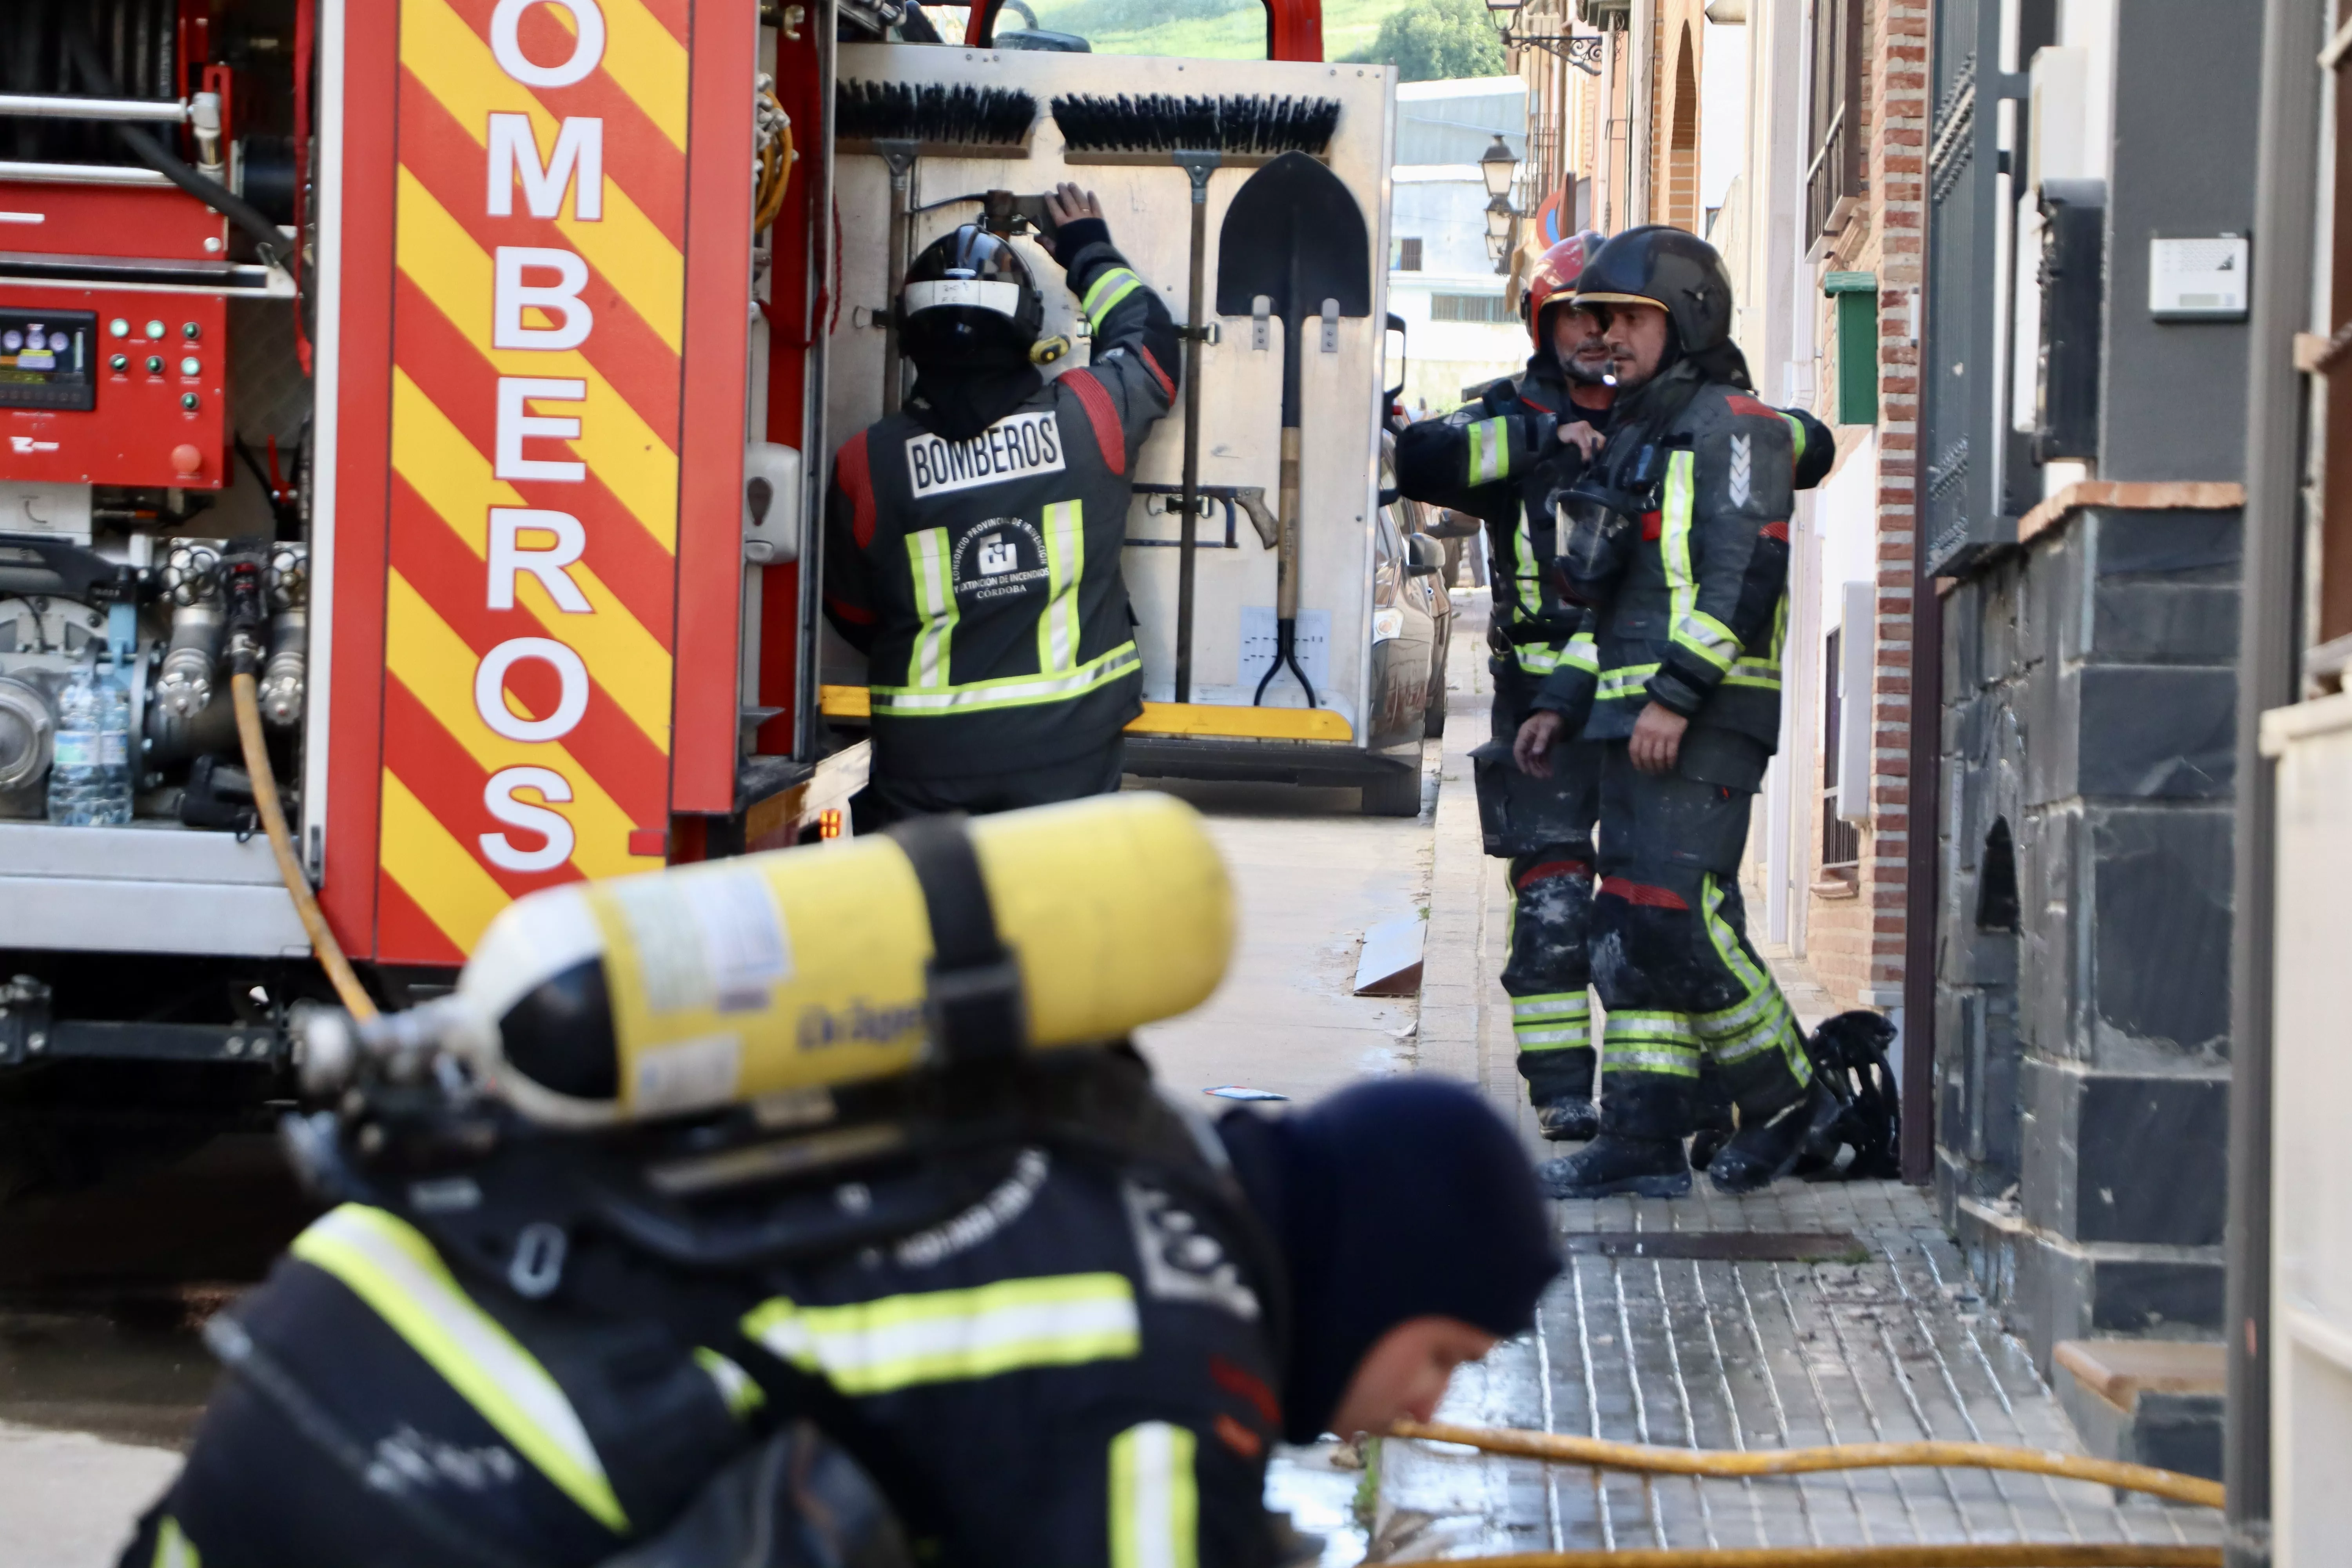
(418, 409)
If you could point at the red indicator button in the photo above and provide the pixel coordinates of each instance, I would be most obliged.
(187, 460)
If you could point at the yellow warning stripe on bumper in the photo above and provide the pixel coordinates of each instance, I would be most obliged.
(1195, 719)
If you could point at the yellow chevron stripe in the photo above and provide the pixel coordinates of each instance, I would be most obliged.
(434, 663)
(646, 62)
(438, 874)
(629, 455)
(633, 255)
(456, 481)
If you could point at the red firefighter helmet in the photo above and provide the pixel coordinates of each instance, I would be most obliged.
(1554, 278)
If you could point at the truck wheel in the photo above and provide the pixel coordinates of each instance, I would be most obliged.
(1394, 793)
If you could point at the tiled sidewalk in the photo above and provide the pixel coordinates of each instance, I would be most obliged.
(1851, 1320)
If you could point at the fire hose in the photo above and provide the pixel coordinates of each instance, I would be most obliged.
(1561, 1448)
(241, 584)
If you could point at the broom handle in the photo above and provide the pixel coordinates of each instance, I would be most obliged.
(902, 163)
(1198, 167)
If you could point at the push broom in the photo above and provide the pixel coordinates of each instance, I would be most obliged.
(1197, 135)
(901, 122)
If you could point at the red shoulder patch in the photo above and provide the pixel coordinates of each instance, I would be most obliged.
(1166, 387)
(1095, 398)
(855, 475)
(1740, 403)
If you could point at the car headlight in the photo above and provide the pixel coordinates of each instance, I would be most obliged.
(1387, 624)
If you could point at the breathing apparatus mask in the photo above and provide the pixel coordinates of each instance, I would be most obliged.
(1596, 522)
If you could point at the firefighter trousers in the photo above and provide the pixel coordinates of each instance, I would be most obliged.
(1547, 972)
(1683, 988)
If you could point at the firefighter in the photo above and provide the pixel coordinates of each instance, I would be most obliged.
(1680, 534)
(973, 538)
(1087, 1363)
(1499, 457)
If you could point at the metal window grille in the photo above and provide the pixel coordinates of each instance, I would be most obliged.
(1833, 150)
(1468, 308)
(1408, 254)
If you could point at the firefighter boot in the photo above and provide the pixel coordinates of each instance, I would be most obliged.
(1559, 1085)
(1640, 1149)
(1712, 1124)
(1769, 1142)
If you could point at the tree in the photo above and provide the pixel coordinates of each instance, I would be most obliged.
(1438, 40)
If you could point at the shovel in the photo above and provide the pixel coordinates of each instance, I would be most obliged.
(1295, 237)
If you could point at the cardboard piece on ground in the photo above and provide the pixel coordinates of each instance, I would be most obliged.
(1389, 965)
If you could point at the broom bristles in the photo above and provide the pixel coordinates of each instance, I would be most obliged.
(929, 112)
(1155, 122)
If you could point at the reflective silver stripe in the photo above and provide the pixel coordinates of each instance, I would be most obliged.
(954, 1336)
(1707, 637)
(1670, 1026)
(1005, 298)
(1564, 1004)
(1109, 290)
(1754, 981)
(1490, 453)
(1538, 658)
(1155, 1497)
(935, 601)
(1673, 1061)
(1582, 653)
(387, 1264)
(1626, 680)
(1554, 1036)
(1674, 536)
(1012, 691)
(741, 1394)
(1065, 563)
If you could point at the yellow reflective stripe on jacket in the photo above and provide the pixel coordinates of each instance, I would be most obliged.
(1796, 437)
(1709, 638)
(1155, 1497)
(1537, 658)
(1065, 561)
(1650, 1042)
(389, 1265)
(1490, 451)
(954, 1336)
(1687, 626)
(736, 1387)
(173, 1548)
(1764, 673)
(1107, 291)
(1009, 690)
(1582, 653)
(1625, 680)
(935, 601)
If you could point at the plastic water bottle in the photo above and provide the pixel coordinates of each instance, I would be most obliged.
(89, 777)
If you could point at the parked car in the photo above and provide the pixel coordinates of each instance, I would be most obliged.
(1412, 619)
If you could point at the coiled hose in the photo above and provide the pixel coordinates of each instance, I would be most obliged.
(244, 692)
(1560, 1449)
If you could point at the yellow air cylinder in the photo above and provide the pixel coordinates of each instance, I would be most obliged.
(684, 989)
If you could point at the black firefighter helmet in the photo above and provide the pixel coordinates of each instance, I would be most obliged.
(968, 302)
(1669, 268)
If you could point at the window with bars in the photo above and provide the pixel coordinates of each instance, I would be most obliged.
(1834, 149)
(1468, 308)
(1841, 839)
(1408, 257)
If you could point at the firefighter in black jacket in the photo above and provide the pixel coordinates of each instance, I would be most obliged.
(973, 538)
(1680, 536)
(1499, 457)
(1086, 1365)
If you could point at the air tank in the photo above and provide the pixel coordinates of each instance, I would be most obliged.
(685, 990)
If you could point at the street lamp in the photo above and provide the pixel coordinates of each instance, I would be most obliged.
(1496, 165)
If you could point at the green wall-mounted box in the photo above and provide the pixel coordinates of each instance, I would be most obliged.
(1857, 294)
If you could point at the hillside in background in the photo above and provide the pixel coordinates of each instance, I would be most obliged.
(1433, 38)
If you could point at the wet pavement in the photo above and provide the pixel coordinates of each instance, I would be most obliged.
(1811, 1313)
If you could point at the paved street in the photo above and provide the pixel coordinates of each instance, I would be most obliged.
(1808, 1314)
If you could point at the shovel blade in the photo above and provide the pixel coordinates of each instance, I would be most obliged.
(1296, 234)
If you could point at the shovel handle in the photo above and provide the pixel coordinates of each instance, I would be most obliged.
(1286, 591)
